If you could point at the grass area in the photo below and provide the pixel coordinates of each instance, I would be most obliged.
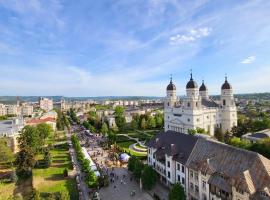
(140, 136)
(140, 146)
(52, 180)
(6, 191)
(125, 147)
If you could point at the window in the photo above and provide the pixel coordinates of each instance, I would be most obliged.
(204, 185)
(196, 189)
(178, 178)
(168, 104)
(191, 174)
(183, 169)
(188, 104)
(188, 120)
(191, 186)
(169, 175)
(149, 151)
(178, 166)
(196, 104)
(224, 102)
(196, 176)
(168, 164)
(198, 119)
(183, 181)
(149, 159)
(154, 165)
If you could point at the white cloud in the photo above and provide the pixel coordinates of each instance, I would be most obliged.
(191, 36)
(248, 60)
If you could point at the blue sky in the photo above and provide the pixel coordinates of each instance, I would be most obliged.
(130, 47)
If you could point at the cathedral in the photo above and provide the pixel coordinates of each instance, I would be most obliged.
(198, 110)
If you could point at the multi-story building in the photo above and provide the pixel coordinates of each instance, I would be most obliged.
(12, 110)
(2, 110)
(45, 104)
(197, 109)
(27, 110)
(209, 170)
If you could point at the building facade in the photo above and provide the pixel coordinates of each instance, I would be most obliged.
(198, 110)
(209, 170)
(45, 104)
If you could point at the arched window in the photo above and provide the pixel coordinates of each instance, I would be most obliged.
(224, 102)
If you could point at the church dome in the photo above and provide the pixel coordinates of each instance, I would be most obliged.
(226, 85)
(202, 87)
(171, 86)
(191, 84)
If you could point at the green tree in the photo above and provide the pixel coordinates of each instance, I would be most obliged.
(138, 167)
(104, 129)
(44, 131)
(47, 158)
(120, 119)
(6, 154)
(25, 161)
(143, 124)
(192, 131)
(177, 192)
(159, 120)
(219, 135)
(134, 124)
(149, 177)
(131, 163)
(29, 139)
(151, 122)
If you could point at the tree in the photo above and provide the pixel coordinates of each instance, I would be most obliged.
(6, 154)
(29, 144)
(151, 122)
(159, 120)
(219, 135)
(25, 161)
(120, 119)
(138, 167)
(131, 163)
(143, 124)
(47, 158)
(104, 129)
(192, 131)
(177, 192)
(44, 131)
(29, 138)
(134, 124)
(149, 177)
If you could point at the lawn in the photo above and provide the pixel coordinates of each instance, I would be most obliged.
(52, 180)
(125, 147)
(6, 191)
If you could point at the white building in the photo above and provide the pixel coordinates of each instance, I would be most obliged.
(27, 110)
(197, 109)
(2, 110)
(45, 104)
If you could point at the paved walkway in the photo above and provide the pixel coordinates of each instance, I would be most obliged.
(84, 194)
(122, 191)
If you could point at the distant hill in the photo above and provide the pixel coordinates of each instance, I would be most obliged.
(13, 99)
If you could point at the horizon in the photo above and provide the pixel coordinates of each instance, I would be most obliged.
(91, 49)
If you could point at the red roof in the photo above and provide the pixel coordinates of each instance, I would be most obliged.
(38, 121)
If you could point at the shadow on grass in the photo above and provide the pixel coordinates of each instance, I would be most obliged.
(24, 187)
(72, 188)
(55, 177)
(58, 161)
(63, 157)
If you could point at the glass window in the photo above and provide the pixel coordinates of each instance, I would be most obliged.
(169, 175)
(183, 169)
(178, 178)
(183, 181)
(168, 164)
(178, 166)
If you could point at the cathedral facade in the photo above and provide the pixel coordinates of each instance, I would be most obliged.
(198, 110)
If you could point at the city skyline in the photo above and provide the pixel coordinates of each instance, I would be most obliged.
(131, 48)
